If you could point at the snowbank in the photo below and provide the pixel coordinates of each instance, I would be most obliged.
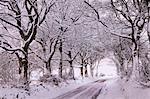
(120, 89)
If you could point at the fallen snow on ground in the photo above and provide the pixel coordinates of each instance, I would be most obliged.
(45, 91)
(121, 89)
(7, 92)
(51, 92)
(134, 91)
(112, 90)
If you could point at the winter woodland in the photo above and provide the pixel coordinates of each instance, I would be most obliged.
(50, 44)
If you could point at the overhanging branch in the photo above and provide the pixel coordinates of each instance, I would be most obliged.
(96, 12)
(123, 36)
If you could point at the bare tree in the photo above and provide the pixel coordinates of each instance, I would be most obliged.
(134, 22)
(49, 40)
(147, 3)
(25, 17)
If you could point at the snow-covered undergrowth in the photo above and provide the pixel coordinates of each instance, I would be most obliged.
(121, 89)
(42, 91)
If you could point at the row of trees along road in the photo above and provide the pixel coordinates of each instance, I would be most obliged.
(57, 34)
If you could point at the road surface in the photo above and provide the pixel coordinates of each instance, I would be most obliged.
(89, 91)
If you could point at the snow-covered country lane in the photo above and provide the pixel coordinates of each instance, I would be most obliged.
(88, 91)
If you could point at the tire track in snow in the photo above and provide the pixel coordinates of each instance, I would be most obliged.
(89, 91)
(92, 92)
(70, 94)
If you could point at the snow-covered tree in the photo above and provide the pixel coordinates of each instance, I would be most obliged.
(24, 17)
(132, 15)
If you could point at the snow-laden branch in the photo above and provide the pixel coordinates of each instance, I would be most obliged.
(10, 49)
(10, 23)
(120, 35)
(45, 13)
(97, 14)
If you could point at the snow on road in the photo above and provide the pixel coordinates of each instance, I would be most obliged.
(112, 90)
(89, 91)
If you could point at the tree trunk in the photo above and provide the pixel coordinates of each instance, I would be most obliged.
(135, 62)
(81, 69)
(51, 54)
(91, 69)
(148, 27)
(23, 70)
(48, 66)
(135, 66)
(71, 72)
(86, 71)
(61, 59)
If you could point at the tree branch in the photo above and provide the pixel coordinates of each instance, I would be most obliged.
(96, 12)
(123, 36)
